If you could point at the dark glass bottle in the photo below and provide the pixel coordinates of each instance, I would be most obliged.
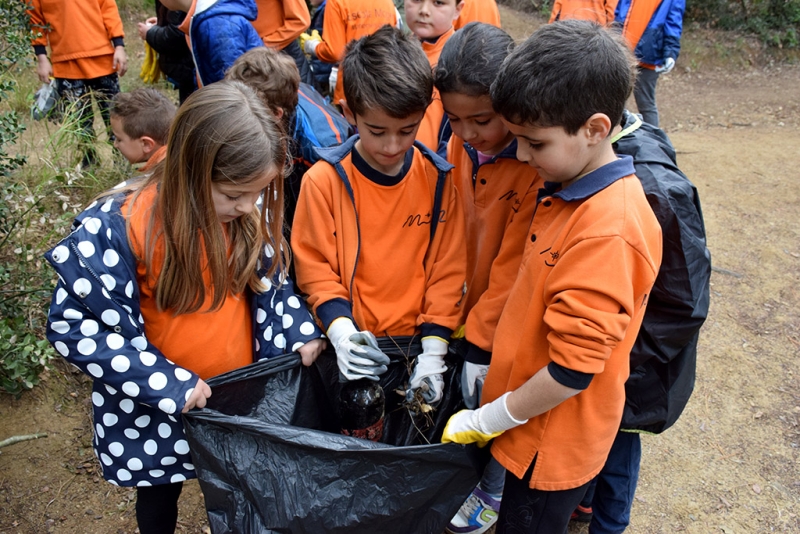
(361, 406)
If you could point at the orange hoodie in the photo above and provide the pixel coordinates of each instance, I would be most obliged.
(485, 11)
(591, 256)
(348, 20)
(364, 249)
(280, 22)
(79, 35)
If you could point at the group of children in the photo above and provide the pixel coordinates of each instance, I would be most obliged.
(530, 251)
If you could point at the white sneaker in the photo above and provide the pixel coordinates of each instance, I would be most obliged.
(476, 515)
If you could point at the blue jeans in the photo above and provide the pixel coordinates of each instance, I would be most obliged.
(611, 493)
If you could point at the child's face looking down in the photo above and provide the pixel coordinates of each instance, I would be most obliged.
(555, 154)
(474, 120)
(384, 139)
(134, 150)
(429, 19)
(232, 200)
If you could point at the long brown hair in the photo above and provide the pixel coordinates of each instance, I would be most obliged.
(221, 133)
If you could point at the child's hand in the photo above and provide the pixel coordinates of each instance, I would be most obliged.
(198, 397)
(43, 69)
(143, 27)
(311, 350)
(120, 64)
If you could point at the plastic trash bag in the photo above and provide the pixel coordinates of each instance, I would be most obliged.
(44, 100)
(270, 459)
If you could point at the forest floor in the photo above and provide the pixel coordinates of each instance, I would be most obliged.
(729, 465)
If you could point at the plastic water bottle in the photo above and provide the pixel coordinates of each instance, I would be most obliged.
(361, 406)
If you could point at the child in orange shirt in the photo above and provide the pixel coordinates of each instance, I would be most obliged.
(172, 280)
(346, 21)
(554, 393)
(496, 189)
(88, 53)
(280, 23)
(485, 11)
(140, 121)
(432, 22)
(378, 232)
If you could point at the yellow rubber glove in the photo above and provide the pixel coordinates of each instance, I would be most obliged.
(310, 42)
(482, 425)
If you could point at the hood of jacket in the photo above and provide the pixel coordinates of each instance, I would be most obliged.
(208, 8)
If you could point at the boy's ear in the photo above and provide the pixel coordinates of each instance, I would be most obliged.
(598, 127)
(149, 144)
(459, 7)
(279, 113)
(349, 115)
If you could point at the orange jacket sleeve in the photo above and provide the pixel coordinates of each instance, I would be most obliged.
(279, 31)
(314, 243)
(111, 19)
(446, 264)
(38, 23)
(482, 319)
(334, 34)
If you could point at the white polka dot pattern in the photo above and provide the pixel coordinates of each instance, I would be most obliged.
(96, 323)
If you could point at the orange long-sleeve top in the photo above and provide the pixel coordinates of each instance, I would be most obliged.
(280, 22)
(599, 11)
(591, 257)
(348, 20)
(428, 133)
(492, 194)
(79, 35)
(371, 255)
(485, 11)
(207, 343)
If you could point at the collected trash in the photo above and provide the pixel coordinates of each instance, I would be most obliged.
(270, 457)
(44, 100)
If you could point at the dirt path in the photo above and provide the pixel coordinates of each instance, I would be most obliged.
(730, 464)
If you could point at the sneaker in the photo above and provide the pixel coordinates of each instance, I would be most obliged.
(582, 514)
(476, 515)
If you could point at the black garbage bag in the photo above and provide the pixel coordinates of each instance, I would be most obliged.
(270, 458)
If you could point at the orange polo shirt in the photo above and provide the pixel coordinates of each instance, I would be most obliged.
(491, 194)
(208, 343)
(377, 253)
(485, 11)
(591, 257)
(348, 20)
(428, 133)
(279, 22)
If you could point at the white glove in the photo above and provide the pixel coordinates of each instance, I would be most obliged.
(472, 377)
(482, 425)
(427, 375)
(311, 42)
(332, 81)
(669, 64)
(357, 353)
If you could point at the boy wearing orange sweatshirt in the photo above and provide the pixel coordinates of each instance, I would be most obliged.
(140, 121)
(378, 232)
(554, 393)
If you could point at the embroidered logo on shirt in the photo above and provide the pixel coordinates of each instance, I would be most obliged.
(420, 220)
(553, 257)
(512, 195)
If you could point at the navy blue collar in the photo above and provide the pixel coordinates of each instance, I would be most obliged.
(595, 181)
(509, 152)
(377, 176)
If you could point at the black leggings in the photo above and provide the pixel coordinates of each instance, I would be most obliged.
(529, 511)
(157, 508)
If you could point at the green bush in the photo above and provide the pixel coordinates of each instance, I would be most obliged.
(776, 22)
